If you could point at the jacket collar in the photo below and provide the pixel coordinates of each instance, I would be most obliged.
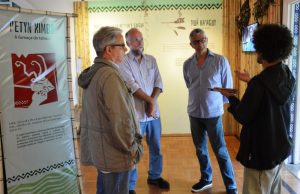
(100, 61)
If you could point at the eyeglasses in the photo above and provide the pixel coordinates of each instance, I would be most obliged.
(202, 40)
(120, 45)
(136, 40)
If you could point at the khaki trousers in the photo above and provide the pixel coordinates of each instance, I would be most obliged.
(262, 181)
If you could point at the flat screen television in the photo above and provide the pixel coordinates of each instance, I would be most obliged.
(247, 37)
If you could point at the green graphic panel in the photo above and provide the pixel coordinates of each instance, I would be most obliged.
(59, 182)
(152, 5)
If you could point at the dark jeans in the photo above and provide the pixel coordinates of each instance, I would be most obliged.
(200, 128)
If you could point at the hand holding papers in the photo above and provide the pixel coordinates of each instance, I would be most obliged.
(224, 91)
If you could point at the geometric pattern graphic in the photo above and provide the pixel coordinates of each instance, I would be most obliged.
(35, 79)
(63, 181)
(295, 64)
(40, 171)
(99, 9)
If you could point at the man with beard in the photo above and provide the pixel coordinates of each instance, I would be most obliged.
(142, 77)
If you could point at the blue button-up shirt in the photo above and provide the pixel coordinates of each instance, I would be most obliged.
(215, 72)
(144, 76)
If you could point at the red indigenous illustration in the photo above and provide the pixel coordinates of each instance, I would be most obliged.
(35, 79)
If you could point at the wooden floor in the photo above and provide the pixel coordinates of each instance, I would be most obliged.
(181, 169)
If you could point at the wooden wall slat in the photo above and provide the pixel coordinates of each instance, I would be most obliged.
(232, 49)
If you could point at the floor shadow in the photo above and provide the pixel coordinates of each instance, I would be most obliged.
(156, 190)
(294, 169)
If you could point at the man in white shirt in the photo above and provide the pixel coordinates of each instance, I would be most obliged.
(142, 77)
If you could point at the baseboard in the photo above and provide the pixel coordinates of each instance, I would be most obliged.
(176, 135)
(188, 135)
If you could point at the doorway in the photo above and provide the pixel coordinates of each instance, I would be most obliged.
(291, 12)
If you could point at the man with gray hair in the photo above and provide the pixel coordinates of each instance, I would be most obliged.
(203, 70)
(110, 139)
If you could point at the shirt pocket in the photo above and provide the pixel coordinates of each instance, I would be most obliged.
(215, 79)
(150, 76)
(193, 76)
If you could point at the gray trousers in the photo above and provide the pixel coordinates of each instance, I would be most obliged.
(262, 181)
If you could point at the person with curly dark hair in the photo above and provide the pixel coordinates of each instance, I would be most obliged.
(264, 111)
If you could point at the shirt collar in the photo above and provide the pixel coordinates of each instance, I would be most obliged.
(209, 53)
(133, 58)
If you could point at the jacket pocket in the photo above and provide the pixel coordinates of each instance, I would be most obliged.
(140, 148)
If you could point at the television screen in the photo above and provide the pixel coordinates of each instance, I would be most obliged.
(247, 44)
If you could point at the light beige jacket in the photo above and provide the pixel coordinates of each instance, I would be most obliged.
(110, 137)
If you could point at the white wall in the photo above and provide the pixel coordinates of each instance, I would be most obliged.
(63, 6)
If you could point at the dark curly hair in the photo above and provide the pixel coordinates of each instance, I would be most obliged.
(273, 42)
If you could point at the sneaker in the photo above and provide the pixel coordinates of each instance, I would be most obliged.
(132, 192)
(232, 191)
(160, 182)
(201, 185)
